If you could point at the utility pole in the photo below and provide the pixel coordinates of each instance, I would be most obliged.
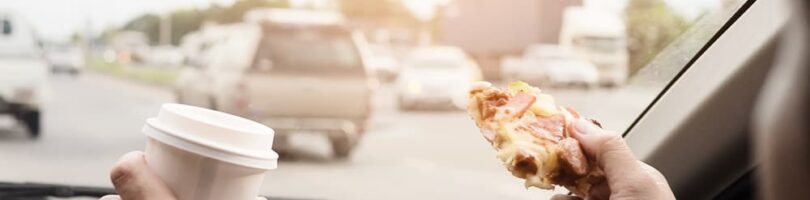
(165, 35)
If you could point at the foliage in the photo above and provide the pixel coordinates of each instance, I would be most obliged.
(381, 11)
(186, 21)
(651, 26)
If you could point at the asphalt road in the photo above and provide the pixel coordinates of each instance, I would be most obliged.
(92, 120)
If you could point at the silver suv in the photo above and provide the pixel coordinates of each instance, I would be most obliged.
(291, 76)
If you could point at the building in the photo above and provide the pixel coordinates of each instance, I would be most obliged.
(490, 29)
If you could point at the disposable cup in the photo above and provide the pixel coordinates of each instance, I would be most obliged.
(203, 154)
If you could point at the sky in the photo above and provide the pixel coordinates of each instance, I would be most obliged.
(56, 20)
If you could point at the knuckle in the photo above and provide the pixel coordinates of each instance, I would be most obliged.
(123, 171)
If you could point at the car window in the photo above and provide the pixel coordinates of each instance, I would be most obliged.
(434, 64)
(394, 133)
(311, 49)
(6, 26)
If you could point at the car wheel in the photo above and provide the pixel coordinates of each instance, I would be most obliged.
(342, 145)
(212, 103)
(31, 119)
(178, 96)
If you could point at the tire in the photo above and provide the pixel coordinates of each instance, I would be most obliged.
(178, 96)
(212, 103)
(342, 146)
(32, 121)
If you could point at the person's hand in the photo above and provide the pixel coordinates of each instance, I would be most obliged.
(627, 177)
(133, 180)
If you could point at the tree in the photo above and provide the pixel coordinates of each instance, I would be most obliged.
(189, 20)
(651, 26)
(381, 11)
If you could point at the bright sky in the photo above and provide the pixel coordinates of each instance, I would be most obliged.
(58, 19)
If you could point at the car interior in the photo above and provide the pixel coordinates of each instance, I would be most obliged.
(730, 123)
(698, 131)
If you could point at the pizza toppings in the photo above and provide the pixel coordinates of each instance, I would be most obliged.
(528, 131)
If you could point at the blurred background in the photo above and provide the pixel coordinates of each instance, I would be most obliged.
(366, 96)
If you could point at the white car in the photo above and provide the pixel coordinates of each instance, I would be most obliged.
(550, 65)
(65, 58)
(23, 73)
(436, 75)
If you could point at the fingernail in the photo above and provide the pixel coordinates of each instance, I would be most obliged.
(583, 126)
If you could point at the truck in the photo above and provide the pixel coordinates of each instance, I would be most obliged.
(23, 72)
(600, 37)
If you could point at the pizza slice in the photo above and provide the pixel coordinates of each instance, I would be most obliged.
(531, 135)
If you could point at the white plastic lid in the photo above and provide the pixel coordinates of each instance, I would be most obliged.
(214, 134)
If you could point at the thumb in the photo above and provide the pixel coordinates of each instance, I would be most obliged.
(609, 150)
(134, 180)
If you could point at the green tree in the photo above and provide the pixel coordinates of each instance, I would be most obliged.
(149, 24)
(380, 11)
(651, 26)
(189, 20)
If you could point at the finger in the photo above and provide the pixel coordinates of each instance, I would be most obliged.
(564, 197)
(599, 191)
(110, 197)
(134, 180)
(608, 149)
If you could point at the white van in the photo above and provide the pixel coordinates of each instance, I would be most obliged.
(600, 37)
(23, 72)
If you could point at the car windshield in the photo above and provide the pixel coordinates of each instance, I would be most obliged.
(434, 64)
(344, 129)
(310, 49)
(600, 44)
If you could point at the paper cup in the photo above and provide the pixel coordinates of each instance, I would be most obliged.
(203, 154)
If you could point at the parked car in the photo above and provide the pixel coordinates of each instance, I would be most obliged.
(436, 75)
(550, 65)
(23, 73)
(293, 74)
(65, 58)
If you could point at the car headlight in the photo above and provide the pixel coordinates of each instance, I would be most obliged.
(414, 87)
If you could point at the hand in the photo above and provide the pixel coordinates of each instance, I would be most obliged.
(133, 180)
(627, 177)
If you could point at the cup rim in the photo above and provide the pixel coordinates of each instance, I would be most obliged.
(243, 157)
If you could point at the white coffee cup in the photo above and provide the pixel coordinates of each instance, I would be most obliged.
(203, 154)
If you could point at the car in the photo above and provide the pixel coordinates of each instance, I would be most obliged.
(294, 74)
(550, 65)
(601, 38)
(23, 73)
(65, 58)
(435, 75)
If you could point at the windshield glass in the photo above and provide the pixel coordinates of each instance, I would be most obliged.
(308, 49)
(434, 64)
(347, 125)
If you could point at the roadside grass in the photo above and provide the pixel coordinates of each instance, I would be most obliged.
(161, 76)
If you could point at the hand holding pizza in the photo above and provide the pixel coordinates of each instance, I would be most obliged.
(626, 177)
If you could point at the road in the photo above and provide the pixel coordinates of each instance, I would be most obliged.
(92, 120)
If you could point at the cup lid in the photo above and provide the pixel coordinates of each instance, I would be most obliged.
(214, 134)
